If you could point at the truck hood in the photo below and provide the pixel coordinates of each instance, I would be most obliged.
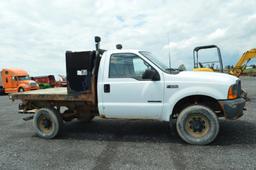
(206, 77)
(29, 82)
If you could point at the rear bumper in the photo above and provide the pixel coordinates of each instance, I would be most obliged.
(233, 109)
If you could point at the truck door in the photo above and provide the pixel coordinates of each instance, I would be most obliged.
(125, 93)
(13, 82)
(6, 78)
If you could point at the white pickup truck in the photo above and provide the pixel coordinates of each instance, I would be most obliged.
(133, 84)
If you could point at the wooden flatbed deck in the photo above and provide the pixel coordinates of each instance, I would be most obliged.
(49, 91)
(53, 94)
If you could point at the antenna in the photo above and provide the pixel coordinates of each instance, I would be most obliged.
(169, 50)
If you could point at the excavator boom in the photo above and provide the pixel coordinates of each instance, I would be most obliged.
(241, 64)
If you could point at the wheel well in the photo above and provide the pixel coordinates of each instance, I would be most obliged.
(197, 99)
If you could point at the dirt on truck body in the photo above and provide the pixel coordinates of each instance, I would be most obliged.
(76, 105)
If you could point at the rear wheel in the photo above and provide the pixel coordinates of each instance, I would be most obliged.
(1, 90)
(47, 123)
(197, 125)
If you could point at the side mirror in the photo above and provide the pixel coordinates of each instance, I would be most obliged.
(150, 74)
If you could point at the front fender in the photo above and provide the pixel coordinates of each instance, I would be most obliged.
(186, 92)
(24, 86)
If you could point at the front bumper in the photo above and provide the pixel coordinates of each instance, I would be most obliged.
(32, 88)
(233, 109)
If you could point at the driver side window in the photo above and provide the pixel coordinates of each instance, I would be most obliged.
(127, 66)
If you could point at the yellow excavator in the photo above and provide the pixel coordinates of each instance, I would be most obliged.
(237, 70)
(240, 66)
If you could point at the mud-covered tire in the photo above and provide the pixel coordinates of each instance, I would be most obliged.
(47, 123)
(197, 125)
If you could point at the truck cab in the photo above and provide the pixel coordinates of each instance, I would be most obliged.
(17, 80)
(134, 84)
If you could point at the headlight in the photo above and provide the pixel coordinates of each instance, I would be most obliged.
(233, 91)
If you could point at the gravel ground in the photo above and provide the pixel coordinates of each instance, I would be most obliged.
(123, 144)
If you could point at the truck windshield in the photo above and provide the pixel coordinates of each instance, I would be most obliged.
(158, 63)
(21, 78)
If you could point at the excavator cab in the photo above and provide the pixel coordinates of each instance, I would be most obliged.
(209, 66)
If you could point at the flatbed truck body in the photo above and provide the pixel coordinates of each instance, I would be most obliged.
(132, 84)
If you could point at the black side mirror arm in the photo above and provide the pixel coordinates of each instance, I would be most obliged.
(156, 77)
(150, 74)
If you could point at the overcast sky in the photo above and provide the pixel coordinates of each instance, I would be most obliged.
(34, 34)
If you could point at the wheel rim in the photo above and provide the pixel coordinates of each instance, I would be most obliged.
(21, 90)
(45, 124)
(197, 125)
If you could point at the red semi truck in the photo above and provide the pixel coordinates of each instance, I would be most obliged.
(49, 81)
(45, 81)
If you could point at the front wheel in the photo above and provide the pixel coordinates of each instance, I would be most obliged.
(197, 125)
(47, 123)
(21, 89)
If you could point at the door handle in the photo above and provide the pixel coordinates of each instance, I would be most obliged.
(106, 88)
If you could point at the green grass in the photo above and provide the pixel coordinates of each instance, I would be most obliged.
(250, 70)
